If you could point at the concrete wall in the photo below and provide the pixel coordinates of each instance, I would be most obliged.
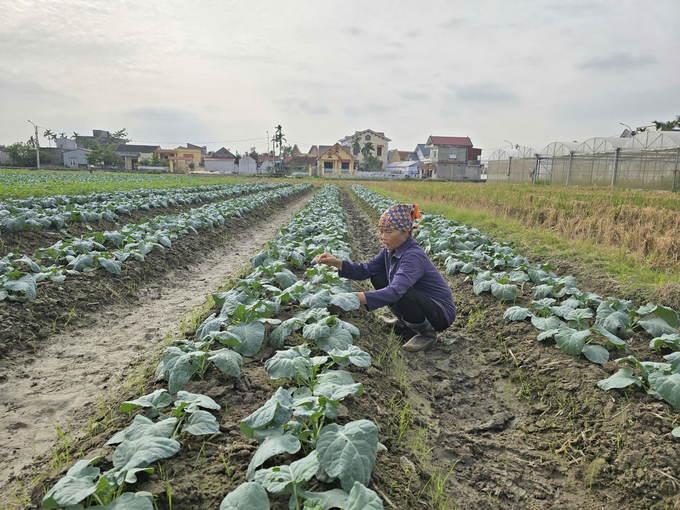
(223, 166)
(247, 166)
(5, 159)
(79, 155)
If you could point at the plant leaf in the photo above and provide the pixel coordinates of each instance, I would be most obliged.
(546, 323)
(611, 338)
(504, 292)
(159, 398)
(657, 327)
(353, 355)
(621, 379)
(361, 498)
(179, 366)
(138, 454)
(74, 487)
(201, 423)
(143, 426)
(668, 386)
(283, 364)
(248, 496)
(339, 338)
(596, 353)
(287, 443)
(349, 452)
(111, 265)
(571, 341)
(250, 335)
(195, 401)
(227, 361)
(348, 301)
(277, 411)
(25, 284)
(130, 501)
(516, 313)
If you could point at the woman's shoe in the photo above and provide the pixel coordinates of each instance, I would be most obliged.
(425, 337)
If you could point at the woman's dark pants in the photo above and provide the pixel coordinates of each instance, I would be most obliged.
(414, 306)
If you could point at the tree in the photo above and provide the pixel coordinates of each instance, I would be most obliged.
(23, 154)
(356, 146)
(238, 156)
(104, 155)
(88, 143)
(75, 135)
(279, 138)
(287, 151)
(372, 164)
(252, 152)
(367, 150)
(122, 134)
(50, 136)
(667, 125)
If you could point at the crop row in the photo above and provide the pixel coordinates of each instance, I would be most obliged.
(57, 210)
(29, 183)
(20, 275)
(579, 322)
(294, 421)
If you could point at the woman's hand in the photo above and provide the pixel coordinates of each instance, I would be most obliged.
(329, 260)
(362, 298)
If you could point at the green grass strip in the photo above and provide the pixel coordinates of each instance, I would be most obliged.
(545, 243)
(26, 183)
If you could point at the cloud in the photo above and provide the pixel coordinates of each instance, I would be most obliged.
(355, 31)
(620, 60)
(168, 124)
(485, 92)
(305, 106)
(34, 91)
(366, 109)
(452, 24)
(412, 33)
(415, 96)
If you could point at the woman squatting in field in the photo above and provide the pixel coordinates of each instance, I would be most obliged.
(404, 278)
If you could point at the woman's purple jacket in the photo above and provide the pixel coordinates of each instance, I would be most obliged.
(406, 267)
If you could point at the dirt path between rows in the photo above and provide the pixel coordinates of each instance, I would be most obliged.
(63, 382)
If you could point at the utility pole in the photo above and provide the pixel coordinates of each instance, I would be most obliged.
(37, 145)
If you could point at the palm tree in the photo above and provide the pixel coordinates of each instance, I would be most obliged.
(279, 138)
(367, 150)
(75, 135)
(49, 135)
(356, 145)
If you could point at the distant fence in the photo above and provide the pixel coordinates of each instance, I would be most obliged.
(649, 160)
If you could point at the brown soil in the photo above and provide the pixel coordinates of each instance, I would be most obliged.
(79, 299)
(489, 418)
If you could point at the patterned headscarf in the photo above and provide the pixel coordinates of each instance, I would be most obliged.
(399, 217)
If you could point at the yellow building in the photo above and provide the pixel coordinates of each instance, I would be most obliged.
(180, 158)
(336, 161)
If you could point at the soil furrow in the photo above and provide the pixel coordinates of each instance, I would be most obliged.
(62, 383)
(77, 301)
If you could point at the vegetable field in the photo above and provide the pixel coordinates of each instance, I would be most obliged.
(180, 348)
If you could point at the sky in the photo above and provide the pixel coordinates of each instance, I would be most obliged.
(224, 73)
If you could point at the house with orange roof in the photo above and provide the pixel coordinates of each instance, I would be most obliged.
(397, 156)
(377, 139)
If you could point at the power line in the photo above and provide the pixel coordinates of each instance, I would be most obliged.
(222, 142)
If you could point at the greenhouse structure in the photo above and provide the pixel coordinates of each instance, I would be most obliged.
(648, 160)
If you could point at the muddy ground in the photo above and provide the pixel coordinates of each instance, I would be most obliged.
(489, 418)
(78, 300)
(65, 379)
